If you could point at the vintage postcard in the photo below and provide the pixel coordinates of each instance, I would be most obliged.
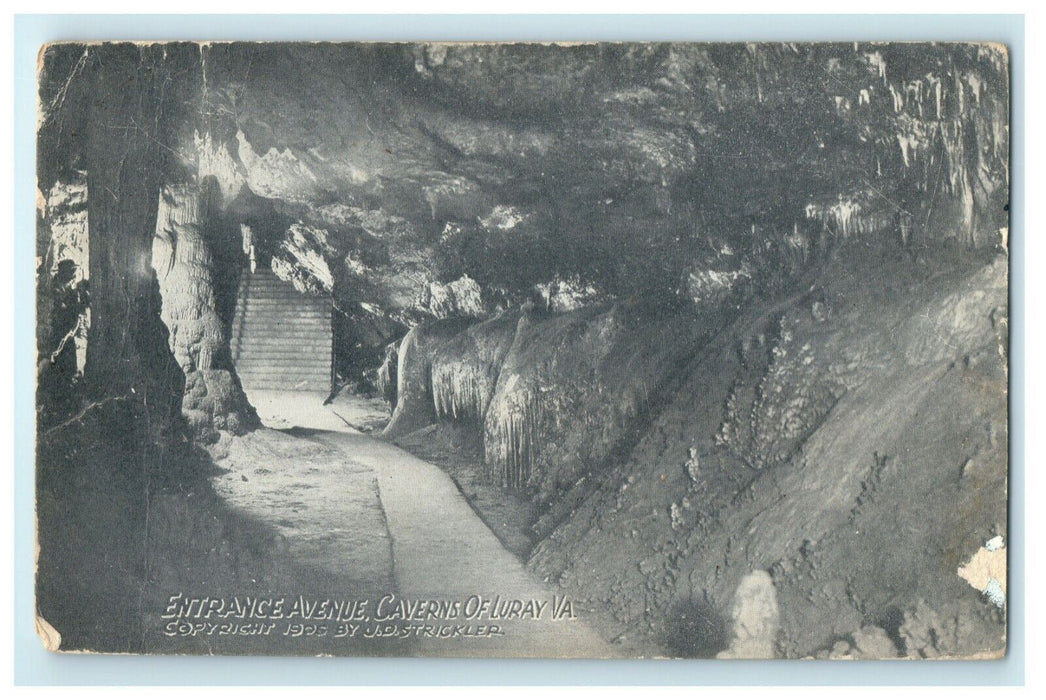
(598, 350)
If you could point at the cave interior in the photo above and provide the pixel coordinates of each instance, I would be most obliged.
(681, 320)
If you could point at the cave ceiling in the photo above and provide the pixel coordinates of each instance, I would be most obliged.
(628, 168)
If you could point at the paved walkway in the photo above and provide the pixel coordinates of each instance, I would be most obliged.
(386, 520)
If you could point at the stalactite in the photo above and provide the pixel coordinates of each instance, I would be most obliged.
(464, 371)
(909, 144)
(876, 61)
(511, 438)
(461, 392)
(898, 98)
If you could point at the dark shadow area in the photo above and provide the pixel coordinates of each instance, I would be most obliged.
(695, 630)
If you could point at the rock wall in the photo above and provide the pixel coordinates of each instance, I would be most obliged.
(809, 478)
(128, 357)
(573, 388)
(63, 312)
(185, 267)
(107, 114)
(556, 397)
(851, 442)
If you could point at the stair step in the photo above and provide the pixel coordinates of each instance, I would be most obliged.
(283, 377)
(283, 372)
(296, 349)
(288, 304)
(278, 354)
(285, 300)
(311, 345)
(282, 295)
(285, 330)
(262, 325)
(261, 311)
(280, 291)
(300, 339)
(285, 355)
(269, 381)
(269, 364)
(295, 315)
(285, 335)
(307, 385)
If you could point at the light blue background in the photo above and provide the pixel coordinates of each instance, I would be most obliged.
(33, 665)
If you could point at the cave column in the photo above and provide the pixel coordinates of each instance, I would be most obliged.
(185, 268)
(126, 125)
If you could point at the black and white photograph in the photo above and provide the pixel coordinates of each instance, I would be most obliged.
(601, 350)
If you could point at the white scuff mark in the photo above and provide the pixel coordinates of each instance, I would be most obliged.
(50, 637)
(635, 95)
(986, 571)
(976, 84)
(756, 618)
(995, 593)
(59, 98)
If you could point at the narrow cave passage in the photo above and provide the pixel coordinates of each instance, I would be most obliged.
(350, 506)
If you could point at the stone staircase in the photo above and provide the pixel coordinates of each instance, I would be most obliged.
(281, 339)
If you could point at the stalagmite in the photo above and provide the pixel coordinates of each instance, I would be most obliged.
(184, 267)
(755, 617)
